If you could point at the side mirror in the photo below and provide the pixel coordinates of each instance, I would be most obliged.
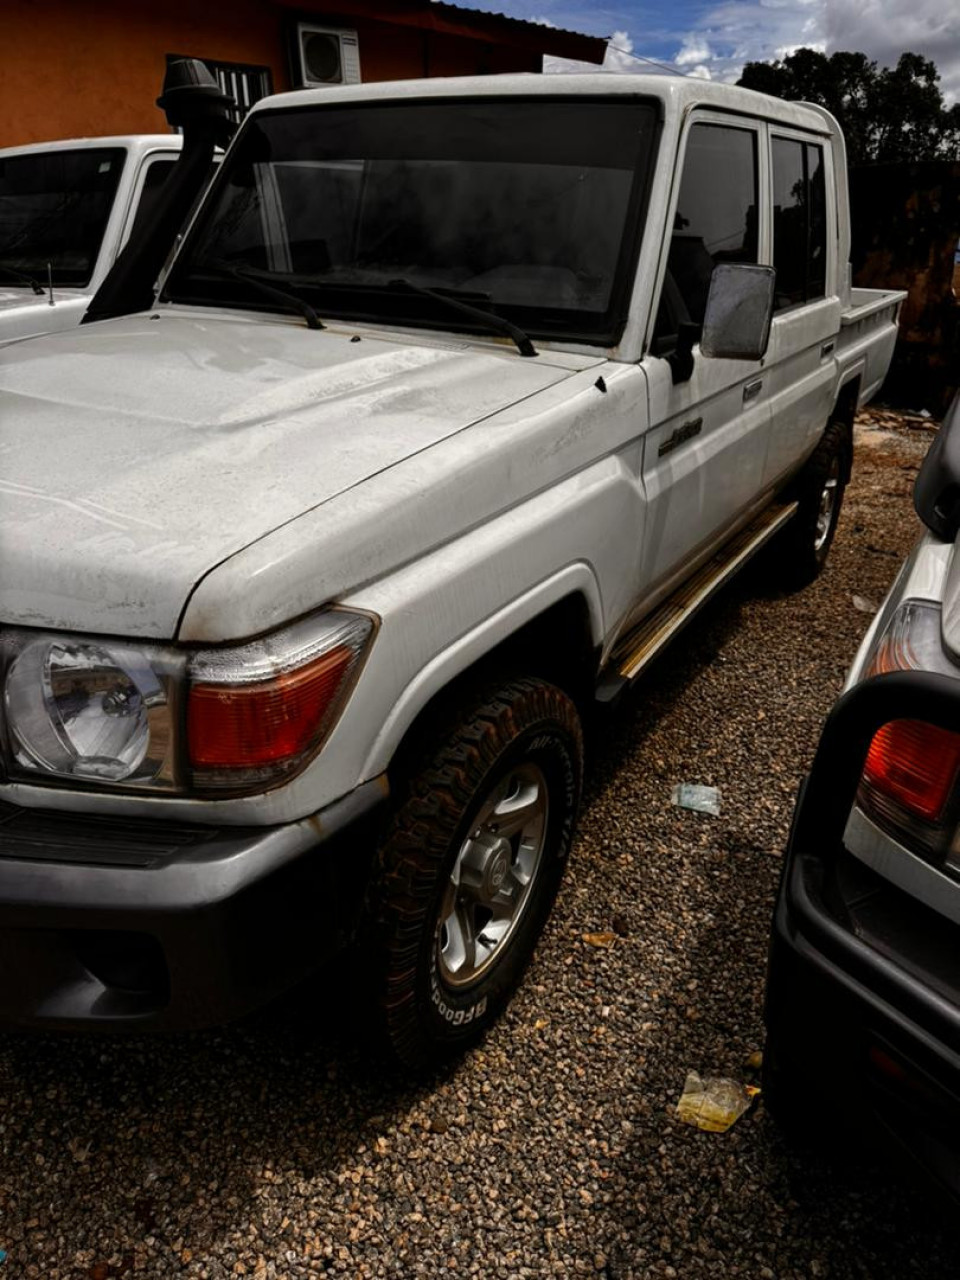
(736, 324)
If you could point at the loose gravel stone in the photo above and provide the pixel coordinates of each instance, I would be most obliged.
(274, 1150)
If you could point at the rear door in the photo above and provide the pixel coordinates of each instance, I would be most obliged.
(802, 355)
(704, 454)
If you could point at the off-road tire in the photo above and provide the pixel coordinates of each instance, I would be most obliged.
(797, 557)
(421, 1019)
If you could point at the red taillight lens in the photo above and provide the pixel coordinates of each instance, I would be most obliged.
(915, 765)
(280, 719)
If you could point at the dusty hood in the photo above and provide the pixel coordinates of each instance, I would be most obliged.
(137, 454)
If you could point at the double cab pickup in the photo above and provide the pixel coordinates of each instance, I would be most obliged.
(459, 399)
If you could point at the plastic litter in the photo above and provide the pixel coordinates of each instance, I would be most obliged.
(701, 799)
(605, 939)
(3, 1255)
(714, 1103)
(864, 605)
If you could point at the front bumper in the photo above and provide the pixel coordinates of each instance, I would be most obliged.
(863, 987)
(146, 924)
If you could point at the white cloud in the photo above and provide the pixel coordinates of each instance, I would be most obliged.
(619, 59)
(737, 31)
(883, 29)
(694, 51)
(732, 32)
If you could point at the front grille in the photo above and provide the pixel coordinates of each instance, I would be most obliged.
(43, 835)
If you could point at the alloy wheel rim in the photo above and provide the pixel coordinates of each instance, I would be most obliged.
(493, 875)
(828, 506)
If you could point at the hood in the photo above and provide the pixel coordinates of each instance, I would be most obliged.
(137, 454)
(24, 314)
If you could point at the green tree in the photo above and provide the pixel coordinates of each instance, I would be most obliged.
(886, 114)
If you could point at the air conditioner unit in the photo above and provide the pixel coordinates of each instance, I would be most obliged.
(326, 55)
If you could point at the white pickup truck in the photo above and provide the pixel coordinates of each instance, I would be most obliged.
(66, 210)
(460, 398)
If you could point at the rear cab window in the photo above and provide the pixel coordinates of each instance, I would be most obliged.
(799, 221)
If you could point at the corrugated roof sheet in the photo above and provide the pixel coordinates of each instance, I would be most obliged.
(555, 40)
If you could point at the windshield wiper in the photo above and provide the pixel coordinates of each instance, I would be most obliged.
(486, 318)
(260, 279)
(35, 285)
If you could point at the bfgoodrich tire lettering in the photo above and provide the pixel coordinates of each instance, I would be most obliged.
(518, 745)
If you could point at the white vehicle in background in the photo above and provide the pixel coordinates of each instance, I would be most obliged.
(66, 210)
(459, 399)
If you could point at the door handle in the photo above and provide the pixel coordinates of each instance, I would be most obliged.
(826, 349)
(752, 390)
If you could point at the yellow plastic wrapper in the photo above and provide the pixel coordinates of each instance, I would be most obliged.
(714, 1103)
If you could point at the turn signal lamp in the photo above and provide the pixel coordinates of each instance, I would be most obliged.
(259, 712)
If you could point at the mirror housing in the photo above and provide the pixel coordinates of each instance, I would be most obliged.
(736, 323)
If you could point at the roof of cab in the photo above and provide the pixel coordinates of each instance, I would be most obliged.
(135, 142)
(678, 93)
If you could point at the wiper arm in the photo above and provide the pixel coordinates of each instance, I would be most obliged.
(255, 276)
(35, 285)
(486, 318)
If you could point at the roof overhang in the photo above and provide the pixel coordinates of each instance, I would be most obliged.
(453, 20)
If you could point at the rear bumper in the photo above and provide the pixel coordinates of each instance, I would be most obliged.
(107, 924)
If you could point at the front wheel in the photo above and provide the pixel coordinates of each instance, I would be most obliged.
(469, 868)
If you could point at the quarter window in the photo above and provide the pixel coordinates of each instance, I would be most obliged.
(799, 222)
(716, 221)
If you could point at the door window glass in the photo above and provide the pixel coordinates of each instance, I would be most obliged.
(716, 221)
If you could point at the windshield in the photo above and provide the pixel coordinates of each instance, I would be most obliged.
(54, 207)
(527, 208)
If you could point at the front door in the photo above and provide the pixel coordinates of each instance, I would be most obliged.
(703, 459)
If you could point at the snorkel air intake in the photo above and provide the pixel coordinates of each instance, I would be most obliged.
(194, 103)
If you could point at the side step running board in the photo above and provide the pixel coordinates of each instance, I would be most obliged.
(641, 645)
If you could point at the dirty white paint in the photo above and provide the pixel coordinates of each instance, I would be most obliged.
(205, 474)
(161, 447)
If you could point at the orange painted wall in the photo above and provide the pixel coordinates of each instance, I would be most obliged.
(75, 68)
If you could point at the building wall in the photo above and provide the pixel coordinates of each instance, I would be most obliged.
(74, 68)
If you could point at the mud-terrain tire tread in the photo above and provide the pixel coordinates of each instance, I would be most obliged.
(409, 870)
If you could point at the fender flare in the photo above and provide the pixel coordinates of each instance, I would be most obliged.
(457, 658)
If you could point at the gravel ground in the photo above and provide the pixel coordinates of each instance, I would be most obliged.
(274, 1150)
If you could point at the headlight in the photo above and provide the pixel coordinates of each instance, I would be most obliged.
(157, 718)
(91, 710)
(911, 642)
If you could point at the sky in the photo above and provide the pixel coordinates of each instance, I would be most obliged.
(714, 38)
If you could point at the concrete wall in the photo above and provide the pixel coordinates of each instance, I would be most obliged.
(906, 223)
(75, 68)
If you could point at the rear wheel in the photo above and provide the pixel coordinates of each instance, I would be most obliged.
(469, 867)
(805, 544)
